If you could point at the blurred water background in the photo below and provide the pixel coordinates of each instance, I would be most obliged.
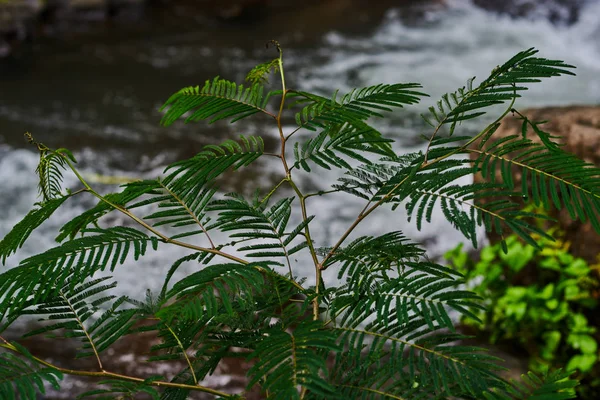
(98, 94)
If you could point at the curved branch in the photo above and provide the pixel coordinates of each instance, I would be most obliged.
(108, 374)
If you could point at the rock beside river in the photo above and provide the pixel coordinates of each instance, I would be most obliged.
(579, 129)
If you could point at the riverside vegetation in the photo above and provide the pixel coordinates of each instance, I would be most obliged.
(547, 290)
(383, 330)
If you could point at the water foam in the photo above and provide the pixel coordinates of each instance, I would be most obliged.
(462, 41)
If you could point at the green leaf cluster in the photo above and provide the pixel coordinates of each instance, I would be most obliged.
(548, 290)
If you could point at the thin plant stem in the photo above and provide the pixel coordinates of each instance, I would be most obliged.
(311, 247)
(268, 196)
(187, 209)
(281, 105)
(295, 187)
(368, 210)
(87, 335)
(187, 359)
(163, 237)
(108, 374)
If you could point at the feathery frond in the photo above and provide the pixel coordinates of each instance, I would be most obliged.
(458, 202)
(73, 306)
(180, 212)
(556, 386)
(216, 100)
(258, 74)
(50, 171)
(429, 359)
(548, 176)
(24, 380)
(125, 390)
(375, 180)
(504, 84)
(338, 140)
(290, 361)
(21, 231)
(358, 377)
(356, 106)
(420, 288)
(212, 161)
(200, 257)
(130, 192)
(253, 221)
(214, 290)
(37, 278)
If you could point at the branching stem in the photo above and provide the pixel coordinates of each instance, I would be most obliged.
(108, 374)
(368, 210)
(288, 178)
(87, 335)
(268, 196)
(187, 359)
(310, 246)
(134, 217)
(187, 209)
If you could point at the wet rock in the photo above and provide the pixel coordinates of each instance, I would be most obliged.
(579, 128)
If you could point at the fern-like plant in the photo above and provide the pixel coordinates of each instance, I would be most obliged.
(384, 332)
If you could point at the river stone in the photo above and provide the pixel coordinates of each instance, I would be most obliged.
(579, 129)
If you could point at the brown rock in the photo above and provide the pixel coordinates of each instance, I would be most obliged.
(579, 128)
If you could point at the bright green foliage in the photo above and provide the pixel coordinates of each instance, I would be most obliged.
(384, 330)
(546, 290)
(259, 73)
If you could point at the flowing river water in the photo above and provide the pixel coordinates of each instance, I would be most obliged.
(99, 97)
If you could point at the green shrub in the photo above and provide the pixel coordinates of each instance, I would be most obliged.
(383, 332)
(539, 298)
